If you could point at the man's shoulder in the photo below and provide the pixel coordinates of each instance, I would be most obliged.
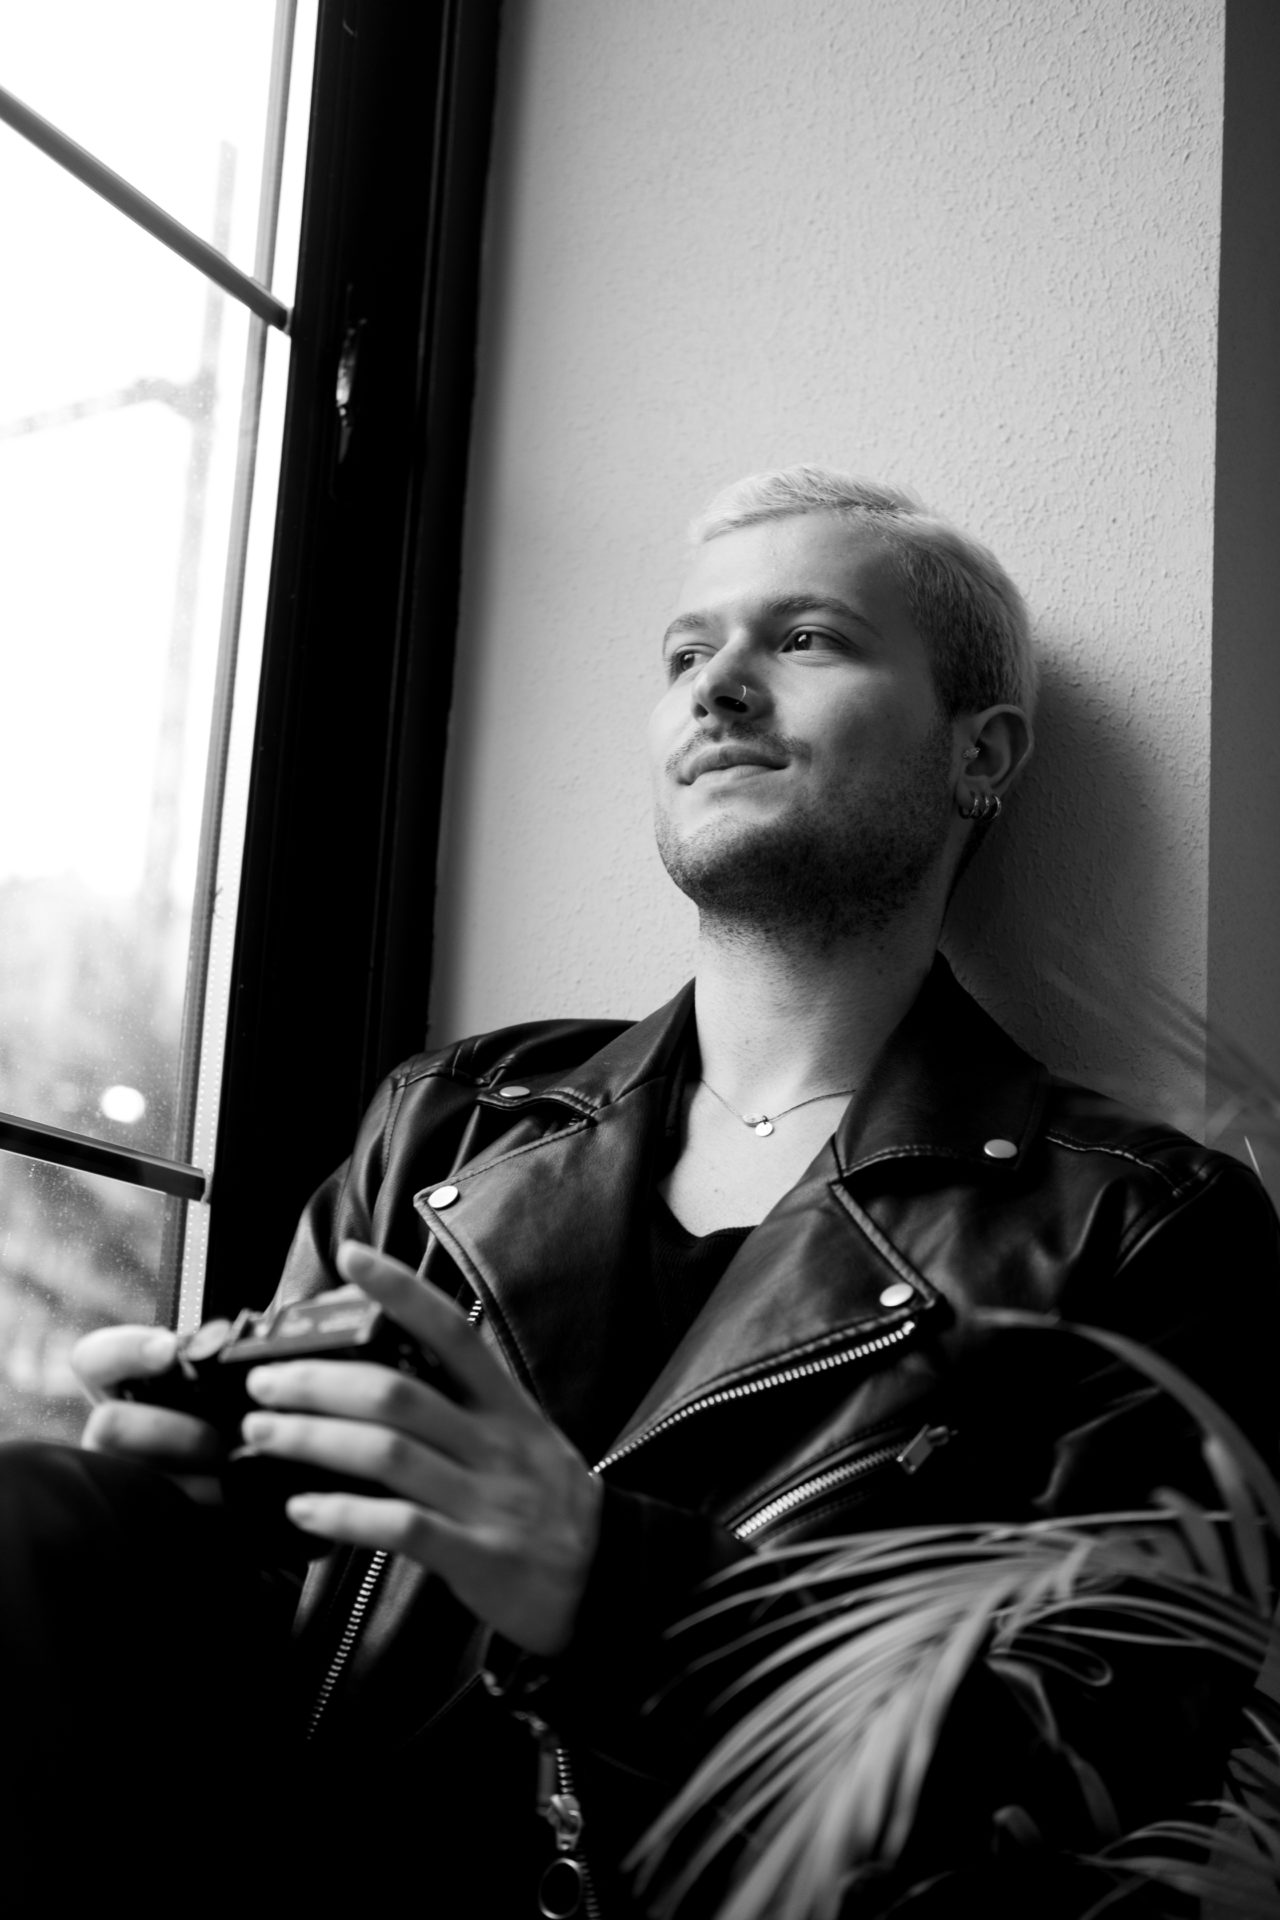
(587, 1063)
(1145, 1146)
(530, 1048)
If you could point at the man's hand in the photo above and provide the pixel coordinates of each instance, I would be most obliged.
(186, 1449)
(488, 1494)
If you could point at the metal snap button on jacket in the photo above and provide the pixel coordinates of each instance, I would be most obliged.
(897, 1295)
(512, 1093)
(442, 1197)
(1000, 1150)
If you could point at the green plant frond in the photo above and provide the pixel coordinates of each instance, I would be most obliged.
(1026, 1683)
(874, 1733)
(927, 1600)
(1246, 1532)
(1263, 1714)
(1204, 1547)
(1225, 1868)
(1052, 1652)
(879, 1633)
(1098, 1803)
(869, 1687)
(1149, 1621)
(929, 1564)
(856, 1559)
(864, 1558)
(954, 1661)
(851, 1677)
(783, 1763)
(1253, 1775)
(1208, 1415)
(1171, 1023)
(857, 1650)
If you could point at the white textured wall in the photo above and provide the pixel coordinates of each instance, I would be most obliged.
(969, 245)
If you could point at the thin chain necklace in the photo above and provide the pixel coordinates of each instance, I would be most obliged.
(762, 1123)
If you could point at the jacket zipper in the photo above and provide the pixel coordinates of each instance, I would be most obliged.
(562, 1807)
(847, 1355)
(566, 1887)
(359, 1607)
(910, 1457)
(591, 1906)
(342, 1653)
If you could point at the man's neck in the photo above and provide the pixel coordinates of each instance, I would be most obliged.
(781, 1022)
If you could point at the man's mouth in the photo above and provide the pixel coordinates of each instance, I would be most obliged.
(727, 754)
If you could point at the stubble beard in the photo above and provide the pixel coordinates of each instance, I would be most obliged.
(816, 881)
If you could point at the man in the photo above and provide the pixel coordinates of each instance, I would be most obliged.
(702, 1283)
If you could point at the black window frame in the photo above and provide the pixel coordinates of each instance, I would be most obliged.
(332, 959)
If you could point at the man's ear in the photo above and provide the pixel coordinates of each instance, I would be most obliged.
(995, 747)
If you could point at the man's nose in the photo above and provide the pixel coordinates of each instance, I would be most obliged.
(720, 688)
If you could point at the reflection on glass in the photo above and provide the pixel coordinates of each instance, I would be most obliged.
(119, 429)
(76, 1252)
(155, 89)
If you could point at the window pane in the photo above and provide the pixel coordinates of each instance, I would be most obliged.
(120, 396)
(76, 1251)
(157, 89)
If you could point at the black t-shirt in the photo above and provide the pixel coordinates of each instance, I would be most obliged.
(686, 1267)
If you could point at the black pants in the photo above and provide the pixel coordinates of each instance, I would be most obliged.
(146, 1753)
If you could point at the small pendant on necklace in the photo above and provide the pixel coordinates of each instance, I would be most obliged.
(763, 1126)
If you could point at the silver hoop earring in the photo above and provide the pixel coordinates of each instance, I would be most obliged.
(986, 806)
(745, 694)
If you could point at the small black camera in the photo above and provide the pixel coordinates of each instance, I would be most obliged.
(207, 1379)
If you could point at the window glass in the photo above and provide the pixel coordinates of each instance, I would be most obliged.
(120, 398)
(76, 1251)
(161, 91)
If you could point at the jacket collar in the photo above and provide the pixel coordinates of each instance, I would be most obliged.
(948, 1082)
(645, 1055)
(551, 1222)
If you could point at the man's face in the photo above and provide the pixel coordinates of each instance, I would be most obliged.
(802, 765)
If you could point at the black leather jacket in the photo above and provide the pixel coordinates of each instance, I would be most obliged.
(834, 1380)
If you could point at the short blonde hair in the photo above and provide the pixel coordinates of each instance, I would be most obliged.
(966, 608)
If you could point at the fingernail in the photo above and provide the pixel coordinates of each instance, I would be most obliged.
(157, 1349)
(301, 1507)
(256, 1426)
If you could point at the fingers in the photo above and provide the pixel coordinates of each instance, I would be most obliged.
(171, 1442)
(354, 1390)
(394, 1526)
(391, 1459)
(103, 1359)
(436, 1321)
(528, 1590)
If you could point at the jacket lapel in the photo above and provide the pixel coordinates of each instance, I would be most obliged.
(552, 1227)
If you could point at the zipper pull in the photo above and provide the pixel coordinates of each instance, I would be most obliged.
(548, 1773)
(562, 1885)
(913, 1456)
(565, 1816)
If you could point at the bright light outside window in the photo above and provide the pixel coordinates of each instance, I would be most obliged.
(140, 417)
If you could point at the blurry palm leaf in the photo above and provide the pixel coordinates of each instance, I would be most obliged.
(1242, 1106)
(825, 1773)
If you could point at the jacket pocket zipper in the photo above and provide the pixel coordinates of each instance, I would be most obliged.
(910, 1456)
(843, 1357)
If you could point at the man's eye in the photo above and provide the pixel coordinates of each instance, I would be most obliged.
(680, 661)
(806, 639)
